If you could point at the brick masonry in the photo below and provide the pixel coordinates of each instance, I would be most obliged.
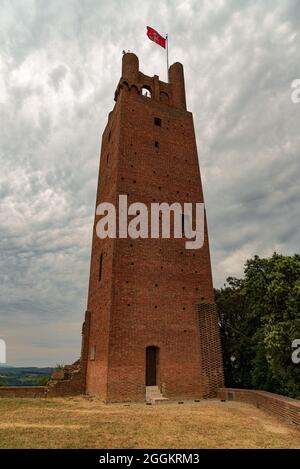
(283, 407)
(22, 391)
(145, 292)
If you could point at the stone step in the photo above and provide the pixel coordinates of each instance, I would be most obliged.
(155, 391)
(158, 400)
(154, 395)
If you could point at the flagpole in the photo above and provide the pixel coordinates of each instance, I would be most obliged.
(167, 39)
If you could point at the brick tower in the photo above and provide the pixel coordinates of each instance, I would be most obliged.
(151, 318)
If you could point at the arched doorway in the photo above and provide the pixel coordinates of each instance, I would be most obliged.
(152, 355)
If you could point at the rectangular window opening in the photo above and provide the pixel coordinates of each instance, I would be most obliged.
(157, 121)
(156, 144)
(93, 352)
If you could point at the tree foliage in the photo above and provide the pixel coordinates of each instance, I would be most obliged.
(260, 318)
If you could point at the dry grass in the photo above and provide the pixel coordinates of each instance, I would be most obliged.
(80, 423)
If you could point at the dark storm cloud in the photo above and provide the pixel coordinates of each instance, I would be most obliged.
(59, 65)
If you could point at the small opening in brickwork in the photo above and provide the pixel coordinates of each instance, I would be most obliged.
(122, 179)
(131, 166)
(157, 121)
(132, 263)
(100, 267)
(156, 144)
(183, 288)
(185, 330)
(146, 91)
(131, 144)
(128, 304)
(159, 188)
(184, 308)
(135, 152)
(155, 306)
(93, 353)
(202, 298)
(156, 285)
(154, 172)
(109, 135)
(197, 289)
(126, 281)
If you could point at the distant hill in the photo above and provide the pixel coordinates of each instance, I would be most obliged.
(26, 369)
(24, 376)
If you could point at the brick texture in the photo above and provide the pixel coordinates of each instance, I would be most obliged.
(283, 407)
(23, 391)
(211, 356)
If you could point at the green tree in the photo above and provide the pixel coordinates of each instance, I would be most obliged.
(260, 317)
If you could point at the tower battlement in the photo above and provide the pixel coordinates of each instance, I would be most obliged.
(134, 81)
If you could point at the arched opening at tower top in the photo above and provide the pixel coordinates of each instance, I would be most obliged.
(152, 362)
(164, 97)
(146, 91)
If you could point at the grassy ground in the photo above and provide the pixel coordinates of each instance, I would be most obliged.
(81, 423)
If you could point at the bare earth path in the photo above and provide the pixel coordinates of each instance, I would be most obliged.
(82, 423)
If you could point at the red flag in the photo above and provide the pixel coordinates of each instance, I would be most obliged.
(156, 37)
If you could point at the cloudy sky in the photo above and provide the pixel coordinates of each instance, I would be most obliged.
(60, 61)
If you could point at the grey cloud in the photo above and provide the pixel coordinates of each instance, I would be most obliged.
(57, 75)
